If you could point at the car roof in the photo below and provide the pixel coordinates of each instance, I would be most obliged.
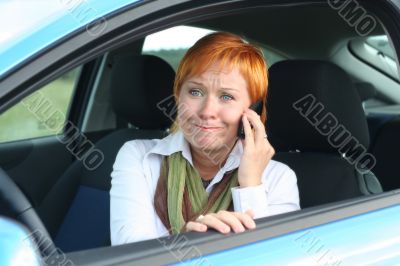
(59, 21)
(310, 31)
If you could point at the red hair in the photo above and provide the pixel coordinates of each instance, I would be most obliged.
(230, 51)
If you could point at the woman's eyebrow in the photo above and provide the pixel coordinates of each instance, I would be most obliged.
(196, 82)
(230, 89)
(221, 89)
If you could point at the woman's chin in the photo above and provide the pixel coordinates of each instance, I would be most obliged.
(209, 143)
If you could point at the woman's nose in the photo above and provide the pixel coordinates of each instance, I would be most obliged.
(208, 108)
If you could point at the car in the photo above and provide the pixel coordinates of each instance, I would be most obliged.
(80, 78)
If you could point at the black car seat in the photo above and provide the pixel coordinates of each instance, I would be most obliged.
(76, 211)
(316, 123)
(385, 149)
(384, 131)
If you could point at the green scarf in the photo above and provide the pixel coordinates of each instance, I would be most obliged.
(180, 174)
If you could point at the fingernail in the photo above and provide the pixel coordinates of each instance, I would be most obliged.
(226, 229)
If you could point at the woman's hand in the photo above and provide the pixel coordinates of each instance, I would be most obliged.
(257, 151)
(223, 221)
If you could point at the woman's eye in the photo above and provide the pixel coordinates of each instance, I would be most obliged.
(195, 92)
(226, 97)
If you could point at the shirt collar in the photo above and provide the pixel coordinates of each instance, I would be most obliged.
(172, 143)
(176, 142)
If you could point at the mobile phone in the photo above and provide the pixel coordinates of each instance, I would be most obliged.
(256, 107)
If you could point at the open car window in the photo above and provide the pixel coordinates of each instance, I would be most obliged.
(171, 44)
(43, 113)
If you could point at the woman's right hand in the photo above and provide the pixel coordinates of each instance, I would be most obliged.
(223, 222)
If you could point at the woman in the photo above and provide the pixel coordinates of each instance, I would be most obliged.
(202, 176)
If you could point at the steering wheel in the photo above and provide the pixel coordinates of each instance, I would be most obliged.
(16, 202)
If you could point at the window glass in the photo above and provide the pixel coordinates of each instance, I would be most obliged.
(43, 113)
(171, 44)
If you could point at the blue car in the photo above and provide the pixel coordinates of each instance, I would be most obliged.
(80, 78)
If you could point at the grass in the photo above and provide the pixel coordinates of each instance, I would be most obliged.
(19, 122)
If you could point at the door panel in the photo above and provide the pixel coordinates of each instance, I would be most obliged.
(35, 165)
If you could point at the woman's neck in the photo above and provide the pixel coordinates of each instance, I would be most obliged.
(209, 163)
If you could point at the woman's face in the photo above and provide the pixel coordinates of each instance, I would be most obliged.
(210, 108)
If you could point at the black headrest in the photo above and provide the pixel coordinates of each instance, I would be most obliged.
(138, 84)
(303, 95)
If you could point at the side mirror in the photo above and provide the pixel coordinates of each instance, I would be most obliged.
(16, 245)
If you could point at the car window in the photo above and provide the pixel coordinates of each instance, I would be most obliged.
(40, 114)
(171, 44)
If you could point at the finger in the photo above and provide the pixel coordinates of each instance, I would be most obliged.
(246, 219)
(196, 226)
(213, 222)
(258, 126)
(250, 212)
(255, 119)
(260, 135)
(249, 137)
(230, 219)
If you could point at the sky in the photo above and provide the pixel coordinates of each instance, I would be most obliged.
(17, 16)
(176, 37)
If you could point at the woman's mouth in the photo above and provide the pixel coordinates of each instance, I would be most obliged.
(208, 128)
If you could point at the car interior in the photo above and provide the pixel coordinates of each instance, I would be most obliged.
(116, 98)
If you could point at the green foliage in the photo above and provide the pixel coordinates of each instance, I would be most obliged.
(21, 122)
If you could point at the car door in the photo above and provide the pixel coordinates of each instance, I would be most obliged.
(134, 23)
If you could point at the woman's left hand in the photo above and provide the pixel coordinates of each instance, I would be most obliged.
(257, 151)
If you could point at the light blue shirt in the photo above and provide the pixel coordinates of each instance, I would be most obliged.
(135, 176)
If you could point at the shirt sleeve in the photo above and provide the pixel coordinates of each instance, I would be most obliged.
(277, 194)
(132, 215)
